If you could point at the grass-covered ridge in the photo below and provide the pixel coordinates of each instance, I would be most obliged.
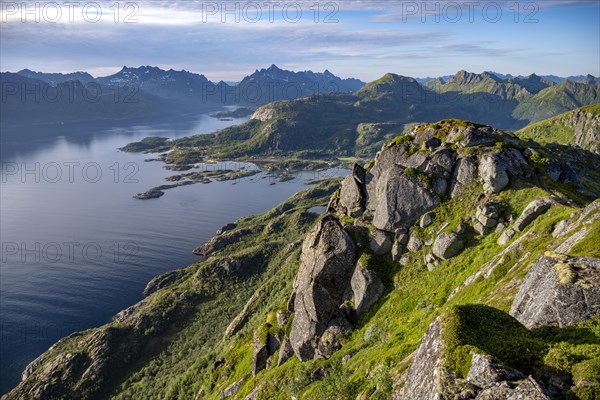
(337, 127)
(155, 348)
(571, 128)
(179, 350)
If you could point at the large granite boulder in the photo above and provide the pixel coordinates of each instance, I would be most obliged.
(465, 172)
(367, 288)
(493, 173)
(352, 193)
(448, 245)
(559, 292)
(531, 212)
(398, 199)
(327, 264)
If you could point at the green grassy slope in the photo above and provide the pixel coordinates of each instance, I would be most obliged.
(183, 354)
(563, 129)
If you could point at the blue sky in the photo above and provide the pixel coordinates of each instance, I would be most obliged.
(361, 38)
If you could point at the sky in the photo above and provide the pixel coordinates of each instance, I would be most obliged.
(228, 39)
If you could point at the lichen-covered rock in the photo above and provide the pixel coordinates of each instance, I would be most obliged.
(471, 136)
(493, 173)
(427, 220)
(425, 371)
(415, 243)
(465, 172)
(431, 262)
(441, 162)
(367, 288)
(327, 264)
(330, 341)
(448, 245)
(506, 236)
(285, 352)
(400, 199)
(260, 354)
(485, 371)
(352, 194)
(531, 212)
(381, 243)
(528, 389)
(559, 292)
(487, 217)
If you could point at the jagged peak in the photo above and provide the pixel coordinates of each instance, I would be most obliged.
(463, 77)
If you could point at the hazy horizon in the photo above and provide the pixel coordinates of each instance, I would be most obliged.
(352, 38)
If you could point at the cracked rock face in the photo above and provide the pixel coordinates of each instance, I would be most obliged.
(327, 264)
(424, 372)
(399, 200)
(367, 288)
(428, 379)
(559, 292)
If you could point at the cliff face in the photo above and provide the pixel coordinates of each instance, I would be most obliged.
(586, 125)
(456, 265)
(580, 127)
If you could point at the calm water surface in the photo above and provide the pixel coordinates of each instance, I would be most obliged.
(77, 248)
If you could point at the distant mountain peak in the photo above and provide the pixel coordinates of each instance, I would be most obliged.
(463, 77)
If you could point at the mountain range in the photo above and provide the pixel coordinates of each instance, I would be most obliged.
(553, 78)
(150, 92)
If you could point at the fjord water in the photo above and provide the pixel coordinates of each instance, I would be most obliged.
(77, 248)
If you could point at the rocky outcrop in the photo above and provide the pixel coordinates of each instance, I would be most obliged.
(397, 200)
(487, 217)
(428, 377)
(367, 288)
(331, 340)
(448, 245)
(260, 354)
(220, 242)
(465, 172)
(485, 371)
(160, 282)
(232, 390)
(559, 292)
(426, 369)
(528, 389)
(496, 167)
(327, 264)
(263, 348)
(265, 113)
(531, 212)
(587, 129)
(352, 193)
